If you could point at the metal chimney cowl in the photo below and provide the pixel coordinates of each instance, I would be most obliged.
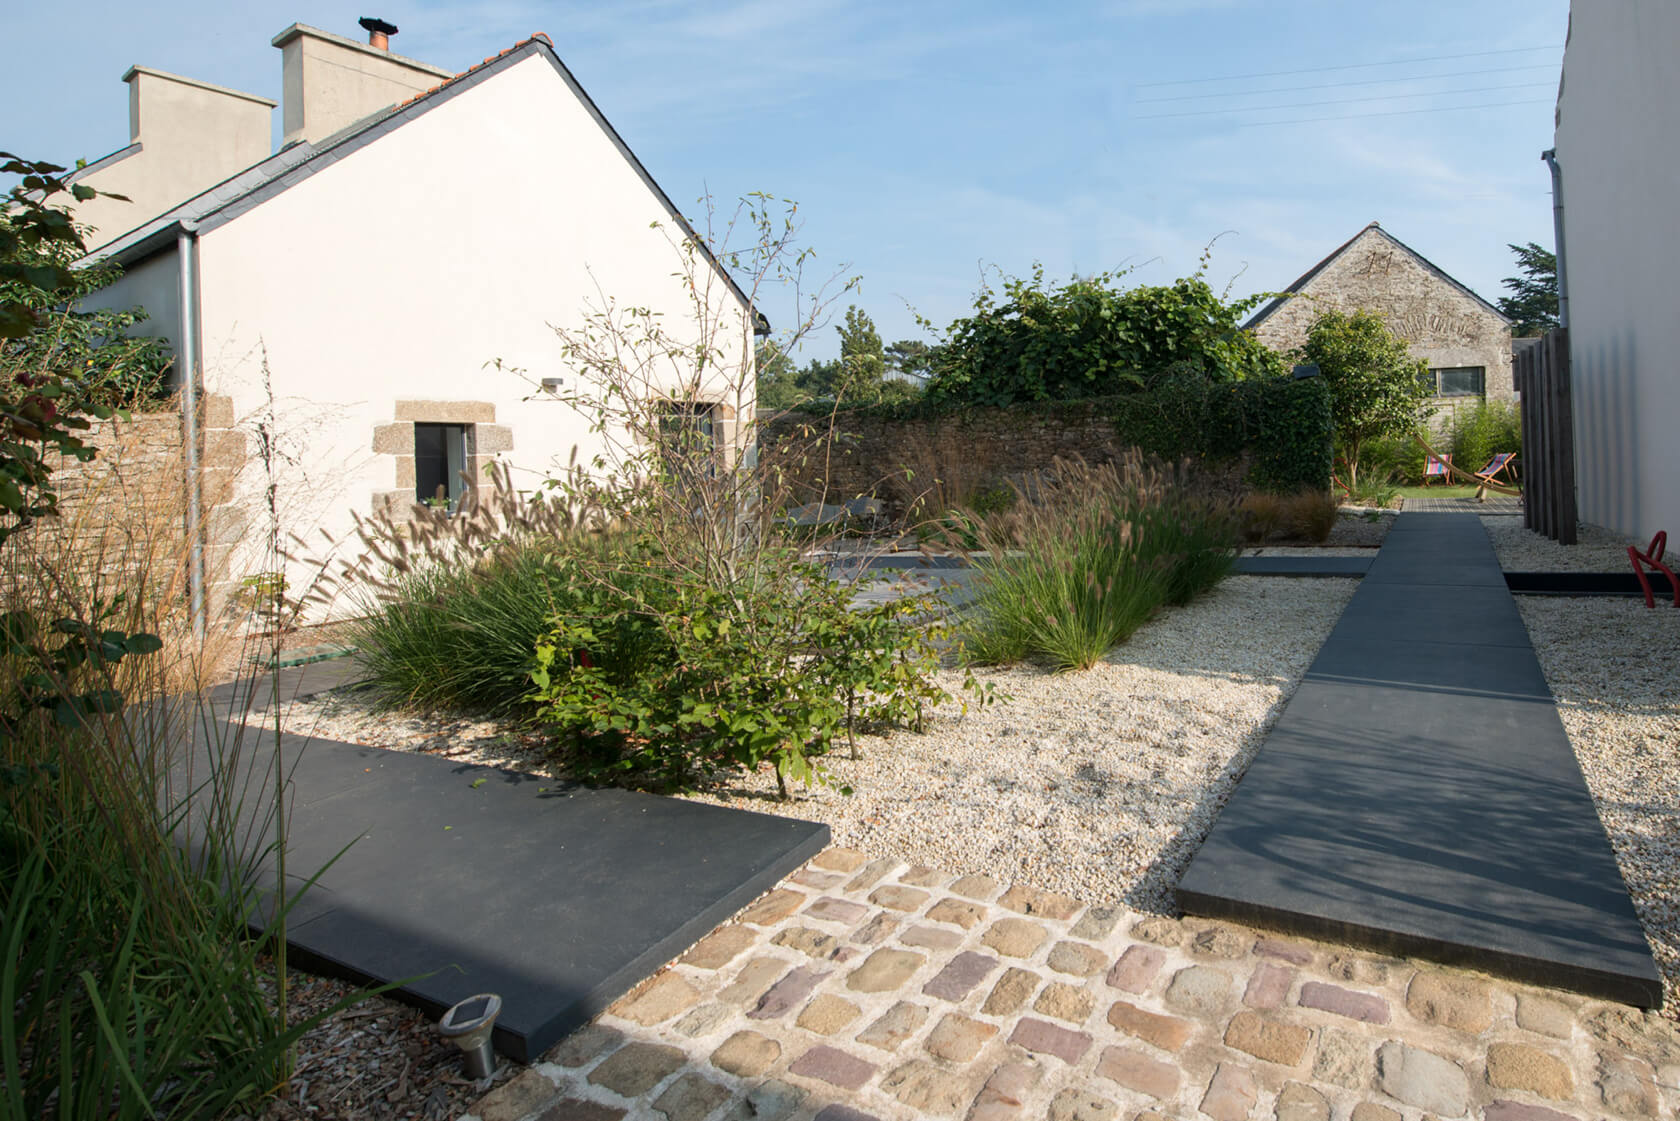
(379, 32)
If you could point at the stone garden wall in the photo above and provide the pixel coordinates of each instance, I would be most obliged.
(897, 458)
(130, 499)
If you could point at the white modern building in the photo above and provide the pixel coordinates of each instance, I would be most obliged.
(358, 287)
(1617, 178)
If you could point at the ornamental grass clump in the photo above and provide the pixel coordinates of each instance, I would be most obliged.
(1078, 565)
(1311, 515)
(450, 607)
(138, 837)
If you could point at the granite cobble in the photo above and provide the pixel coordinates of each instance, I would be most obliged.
(827, 998)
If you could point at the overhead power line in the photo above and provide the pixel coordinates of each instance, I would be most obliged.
(1348, 66)
(1396, 113)
(1235, 109)
(1346, 85)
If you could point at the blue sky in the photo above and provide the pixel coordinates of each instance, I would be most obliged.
(927, 140)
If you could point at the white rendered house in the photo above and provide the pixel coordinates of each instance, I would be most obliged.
(357, 287)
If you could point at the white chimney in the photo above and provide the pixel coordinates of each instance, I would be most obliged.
(185, 136)
(329, 81)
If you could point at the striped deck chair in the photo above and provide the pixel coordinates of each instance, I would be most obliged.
(1503, 463)
(1437, 467)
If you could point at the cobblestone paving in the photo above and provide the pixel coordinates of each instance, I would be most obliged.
(863, 989)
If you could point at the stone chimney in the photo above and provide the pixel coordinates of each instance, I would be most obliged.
(329, 81)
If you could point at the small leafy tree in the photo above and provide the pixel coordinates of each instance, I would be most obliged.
(1377, 388)
(701, 639)
(45, 351)
(1532, 305)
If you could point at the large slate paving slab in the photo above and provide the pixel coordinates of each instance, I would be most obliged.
(460, 879)
(1302, 566)
(1483, 615)
(1419, 794)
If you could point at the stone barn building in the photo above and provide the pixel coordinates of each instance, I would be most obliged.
(1465, 339)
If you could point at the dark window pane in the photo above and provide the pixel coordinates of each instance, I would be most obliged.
(431, 461)
(439, 457)
(1461, 381)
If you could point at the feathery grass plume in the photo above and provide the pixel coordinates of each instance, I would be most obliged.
(448, 609)
(947, 471)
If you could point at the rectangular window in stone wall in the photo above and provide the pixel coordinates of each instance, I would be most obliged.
(440, 457)
(1458, 381)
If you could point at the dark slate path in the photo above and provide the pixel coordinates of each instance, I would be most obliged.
(1303, 566)
(559, 898)
(1419, 795)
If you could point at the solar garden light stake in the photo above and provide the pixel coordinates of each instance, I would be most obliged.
(468, 1026)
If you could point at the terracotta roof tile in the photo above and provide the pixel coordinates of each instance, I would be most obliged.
(433, 89)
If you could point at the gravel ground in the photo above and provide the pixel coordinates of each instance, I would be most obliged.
(1522, 550)
(1149, 742)
(1614, 667)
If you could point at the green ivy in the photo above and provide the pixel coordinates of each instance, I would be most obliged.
(1089, 337)
(1282, 424)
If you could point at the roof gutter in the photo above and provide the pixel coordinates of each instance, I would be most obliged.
(1550, 156)
(187, 353)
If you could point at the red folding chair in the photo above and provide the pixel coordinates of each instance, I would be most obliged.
(1437, 467)
(1653, 557)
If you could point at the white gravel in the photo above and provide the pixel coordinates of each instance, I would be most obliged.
(1099, 785)
(1614, 667)
(1523, 550)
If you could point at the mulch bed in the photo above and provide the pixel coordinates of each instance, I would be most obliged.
(376, 1060)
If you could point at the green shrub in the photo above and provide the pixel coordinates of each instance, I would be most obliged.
(1397, 458)
(1088, 558)
(451, 606)
(661, 679)
(1373, 490)
(1482, 430)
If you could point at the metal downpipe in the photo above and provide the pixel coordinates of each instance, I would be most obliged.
(186, 256)
(1550, 156)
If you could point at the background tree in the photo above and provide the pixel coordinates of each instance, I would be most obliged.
(777, 377)
(1377, 388)
(911, 360)
(1532, 306)
(857, 377)
(861, 357)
